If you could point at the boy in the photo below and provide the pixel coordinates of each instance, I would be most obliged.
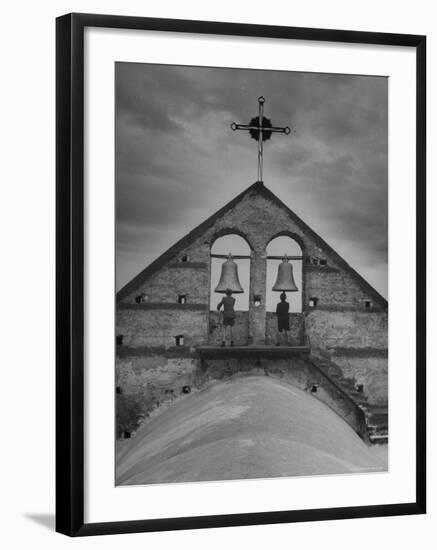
(283, 319)
(228, 315)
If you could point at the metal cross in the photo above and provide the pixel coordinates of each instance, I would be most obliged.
(261, 129)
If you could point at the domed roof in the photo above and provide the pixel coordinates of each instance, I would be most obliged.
(249, 427)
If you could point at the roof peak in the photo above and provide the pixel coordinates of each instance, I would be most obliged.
(260, 188)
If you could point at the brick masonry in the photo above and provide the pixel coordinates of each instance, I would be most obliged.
(347, 329)
(370, 371)
(297, 329)
(349, 313)
(240, 330)
(147, 382)
(141, 327)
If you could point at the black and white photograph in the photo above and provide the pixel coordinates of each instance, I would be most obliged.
(217, 212)
(251, 335)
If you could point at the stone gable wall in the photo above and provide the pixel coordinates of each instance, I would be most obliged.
(191, 279)
(339, 321)
(258, 220)
(149, 328)
(240, 330)
(297, 329)
(347, 329)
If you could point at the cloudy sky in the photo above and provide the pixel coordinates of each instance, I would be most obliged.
(177, 160)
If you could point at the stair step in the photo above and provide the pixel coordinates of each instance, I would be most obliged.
(380, 408)
(378, 418)
(378, 436)
(382, 415)
(359, 400)
(378, 439)
(377, 429)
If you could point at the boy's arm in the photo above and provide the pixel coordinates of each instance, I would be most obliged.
(220, 304)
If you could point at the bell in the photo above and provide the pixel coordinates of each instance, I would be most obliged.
(229, 278)
(285, 281)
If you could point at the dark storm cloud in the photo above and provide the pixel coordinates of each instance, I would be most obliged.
(177, 161)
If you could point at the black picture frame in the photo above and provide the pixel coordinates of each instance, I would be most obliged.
(70, 273)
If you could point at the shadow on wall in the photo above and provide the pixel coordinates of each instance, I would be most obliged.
(45, 520)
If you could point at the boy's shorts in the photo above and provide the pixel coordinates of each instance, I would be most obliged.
(229, 321)
(284, 324)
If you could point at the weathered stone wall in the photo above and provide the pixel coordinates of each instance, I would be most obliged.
(368, 368)
(240, 330)
(258, 219)
(158, 327)
(340, 319)
(297, 329)
(187, 278)
(335, 288)
(146, 382)
(347, 329)
(293, 370)
(356, 341)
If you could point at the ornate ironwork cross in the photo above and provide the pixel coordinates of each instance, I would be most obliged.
(261, 129)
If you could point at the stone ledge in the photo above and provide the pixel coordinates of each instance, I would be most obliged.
(250, 351)
(148, 351)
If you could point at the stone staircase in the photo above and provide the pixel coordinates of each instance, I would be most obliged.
(376, 416)
(377, 424)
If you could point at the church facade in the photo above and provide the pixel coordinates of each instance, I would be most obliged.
(168, 332)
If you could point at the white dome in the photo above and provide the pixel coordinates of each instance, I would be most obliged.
(249, 427)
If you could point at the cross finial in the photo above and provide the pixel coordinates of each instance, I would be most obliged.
(261, 129)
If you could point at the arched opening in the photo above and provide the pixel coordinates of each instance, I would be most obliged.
(238, 247)
(294, 334)
(276, 249)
